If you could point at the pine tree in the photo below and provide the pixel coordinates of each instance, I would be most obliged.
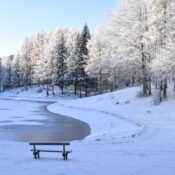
(83, 56)
(59, 54)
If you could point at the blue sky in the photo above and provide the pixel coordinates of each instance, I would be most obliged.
(21, 18)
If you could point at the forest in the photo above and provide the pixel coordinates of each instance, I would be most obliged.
(136, 46)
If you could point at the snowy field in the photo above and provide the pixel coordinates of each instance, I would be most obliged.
(129, 136)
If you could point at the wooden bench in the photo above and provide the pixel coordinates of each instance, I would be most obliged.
(36, 152)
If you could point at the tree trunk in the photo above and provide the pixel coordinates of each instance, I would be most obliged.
(160, 90)
(156, 86)
(75, 88)
(132, 80)
(144, 87)
(80, 93)
(144, 74)
(86, 91)
(160, 95)
(53, 90)
(96, 90)
(62, 90)
(47, 90)
(165, 88)
(99, 83)
(149, 87)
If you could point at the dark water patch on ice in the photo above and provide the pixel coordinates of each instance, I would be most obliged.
(54, 127)
(6, 121)
(40, 121)
(36, 111)
(18, 117)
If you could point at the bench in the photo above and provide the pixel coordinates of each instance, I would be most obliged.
(36, 152)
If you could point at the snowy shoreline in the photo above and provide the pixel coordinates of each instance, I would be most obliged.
(108, 130)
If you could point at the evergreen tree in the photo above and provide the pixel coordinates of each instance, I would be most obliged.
(83, 50)
(83, 56)
(59, 63)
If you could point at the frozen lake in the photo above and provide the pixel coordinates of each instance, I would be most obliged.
(31, 121)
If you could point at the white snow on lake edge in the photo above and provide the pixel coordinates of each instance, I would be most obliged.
(129, 135)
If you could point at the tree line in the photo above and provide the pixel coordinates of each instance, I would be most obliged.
(55, 59)
(135, 46)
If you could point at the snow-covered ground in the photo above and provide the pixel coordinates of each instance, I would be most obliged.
(129, 136)
(35, 93)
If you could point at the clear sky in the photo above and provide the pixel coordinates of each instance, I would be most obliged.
(21, 18)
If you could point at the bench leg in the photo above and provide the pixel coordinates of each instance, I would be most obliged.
(35, 155)
(65, 155)
(38, 154)
(34, 152)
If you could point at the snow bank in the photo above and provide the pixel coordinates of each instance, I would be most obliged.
(35, 93)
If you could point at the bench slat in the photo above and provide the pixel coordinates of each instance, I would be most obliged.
(47, 150)
(49, 143)
(51, 151)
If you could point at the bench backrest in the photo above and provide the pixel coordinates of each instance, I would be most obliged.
(49, 143)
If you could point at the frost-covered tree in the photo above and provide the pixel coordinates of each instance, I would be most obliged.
(36, 56)
(72, 58)
(61, 64)
(133, 42)
(162, 24)
(46, 66)
(98, 65)
(83, 56)
(58, 59)
(16, 71)
(25, 62)
(7, 71)
(83, 50)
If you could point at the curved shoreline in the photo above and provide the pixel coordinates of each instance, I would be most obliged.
(141, 130)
